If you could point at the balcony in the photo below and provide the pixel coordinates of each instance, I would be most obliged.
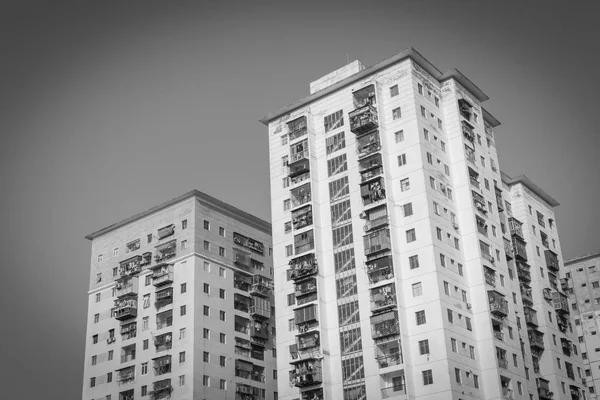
(389, 358)
(526, 295)
(306, 318)
(499, 201)
(130, 266)
(261, 308)
(305, 288)
(243, 344)
(308, 341)
(299, 151)
(127, 287)
(368, 144)
(563, 323)
(523, 272)
(383, 297)
(125, 375)
(164, 319)
(543, 387)
(241, 281)
(490, 276)
(566, 347)
(515, 227)
(162, 365)
(473, 178)
(384, 325)
(479, 202)
(498, 305)
(363, 119)
(498, 335)
(298, 169)
(125, 309)
(306, 373)
(126, 395)
(508, 250)
(164, 341)
(261, 286)
(128, 331)
(162, 274)
(243, 369)
(297, 128)
(481, 226)
(393, 391)
(536, 340)
(303, 267)
(241, 303)
(380, 269)
(244, 392)
(507, 394)
(128, 354)
(560, 302)
(259, 330)
(242, 260)
(316, 394)
(166, 251)
(465, 109)
(161, 389)
(530, 317)
(377, 242)
(146, 259)
(242, 325)
(470, 154)
(164, 297)
(574, 391)
(502, 363)
(551, 260)
(304, 242)
(467, 130)
(258, 348)
(302, 217)
(565, 285)
(301, 195)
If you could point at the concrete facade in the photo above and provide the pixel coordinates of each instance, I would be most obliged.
(175, 293)
(393, 277)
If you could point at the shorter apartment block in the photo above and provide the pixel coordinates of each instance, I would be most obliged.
(181, 305)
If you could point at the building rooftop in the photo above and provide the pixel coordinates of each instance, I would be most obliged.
(524, 180)
(203, 198)
(586, 257)
(410, 53)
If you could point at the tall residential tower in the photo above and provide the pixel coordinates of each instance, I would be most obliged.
(394, 268)
(181, 305)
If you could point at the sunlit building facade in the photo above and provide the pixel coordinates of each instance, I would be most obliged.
(181, 305)
(395, 270)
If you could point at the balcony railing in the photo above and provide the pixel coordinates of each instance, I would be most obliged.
(393, 391)
(384, 325)
(166, 251)
(259, 330)
(259, 312)
(373, 191)
(363, 119)
(490, 277)
(303, 267)
(467, 130)
(376, 242)
(302, 217)
(380, 269)
(316, 394)
(368, 144)
(551, 260)
(390, 359)
(465, 109)
(161, 389)
(125, 309)
(297, 128)
(515, 227)
(498, 305)
(523, 272)
(502, 363)
(241, 281)
(299, 151)
(305, 288)
(498, 335)
(261, 286)
(307, 373)
(383, 297)
(127, 287)
(298, 168)
(126, 375)
(130, 266)
(526, 295)
(162, 274)
(561, 303)
(536, 340)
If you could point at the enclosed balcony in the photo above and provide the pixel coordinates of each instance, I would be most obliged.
(146, 259)
(368, 144)
(162, 365)
(498, 304)
(242, 347)
(128, 353)
(565, 284)
(364, 96)
(388, 354)
(516, 227)
(497, 330)
(479, 202)
(373, 191)
(520, 249)
(125, 375)
(125, 309)
(259, 330)
(490, 276)
(467, 131)
(166, 231)
(363, 119)
(242, 259)
(560, 302)
(499, 201)
(130, 266)
(244, 392)
(567, 346)
(261, 286)
(508, 249)
(383, 297)
(298, 169)
(241, 281)
(501, 357)
(370, 167)
(530, 317)
(258, 348)
(242, 325)
(306, 318)
(380, 269)
(523, 272)
(536, 340)
(306, 373)
(377, 242)
(308, 341)
(243, 369)
(563, 323)
(473, 177)
(302, 217)
(164, 319)
(315, 394)
(526, 294)
(162, 274)
(164, 341)
(126, 395)
(297, 128)
(385, 325)
(303, 267)
(128, 331)
(164, 297)
(470, 154)
(261, 308)
(161, 389)
(127, 287)
(551, 260)
(166, 251)
(574, 391)
(465, 108)
(305, 288)
(482, 227)
(376, 218)
(299, 151)
(543, 387)
(304, 241)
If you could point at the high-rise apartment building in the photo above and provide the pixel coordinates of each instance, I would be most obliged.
(181, 305)
(583, 284)
(396, 275)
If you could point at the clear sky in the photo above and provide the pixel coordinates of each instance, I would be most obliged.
(110, 108)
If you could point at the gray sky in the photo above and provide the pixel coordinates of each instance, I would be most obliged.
(109, 109)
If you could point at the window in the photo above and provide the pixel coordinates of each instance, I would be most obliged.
(417, 289)
(334, 121)
(429, 158)
(96, 318)
(222, 361)
(289, 251)
(148, 280)
(335, 143)
(115, 252)
(420, 315)
(413, 261)
(207, 225)
(100, 258)
(144, 368)
(286, 204)
(423, 112)
(291, 299)
(115, 271)
(457, 375)
(427, 377)
(183, 287)
(221, 272)
(221, 293)
(206, 310)
(182, 310)
(98, 297)
(149, 238)
(420, 88)
(206, 356)
(436, 208)
(438, 232)
(432, 182)
(401, 160)
(183, 244)
(404, 184)
(222, 338)
(408, 210)
(222, 384)
(206, 245)
(397, 113)
(410, 236)
(424, 347)
(437, 101)
(394, 91)
(205, 380)
(222, 251)
(145, 323)
(222, 315)
(450, 316)
(145, 344)
(92, 382)
(182, 333)
(206, 288)
(94, 360)
(337, 165)
(205, 331)
(399, 136)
